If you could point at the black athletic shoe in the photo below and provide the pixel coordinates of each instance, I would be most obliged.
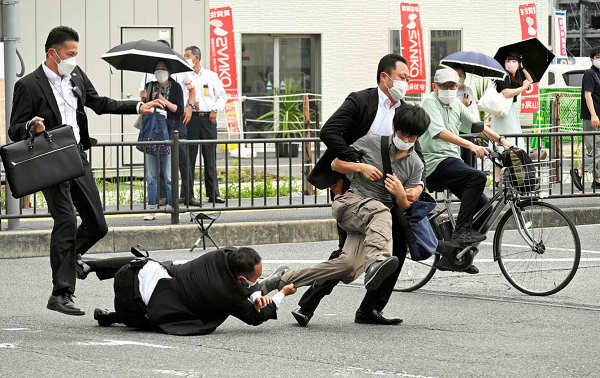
(467, 235)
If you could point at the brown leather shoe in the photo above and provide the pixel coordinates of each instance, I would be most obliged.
(374, 317)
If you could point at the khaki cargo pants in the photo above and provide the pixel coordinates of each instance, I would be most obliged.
(368, 223)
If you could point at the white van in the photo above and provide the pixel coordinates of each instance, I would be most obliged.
(565, 75)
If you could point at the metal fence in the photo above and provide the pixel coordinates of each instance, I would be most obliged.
(267, 174)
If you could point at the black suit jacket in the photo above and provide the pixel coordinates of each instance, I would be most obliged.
(350, 122)
(201, 294)
(33, 96)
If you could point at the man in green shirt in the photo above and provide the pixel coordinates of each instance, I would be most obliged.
(441, 149)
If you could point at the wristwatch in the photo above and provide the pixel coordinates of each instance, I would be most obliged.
(188, 105)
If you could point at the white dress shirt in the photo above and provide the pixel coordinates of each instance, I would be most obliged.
(382, 125)
(149, 276)
(210, 93)
(65, 98)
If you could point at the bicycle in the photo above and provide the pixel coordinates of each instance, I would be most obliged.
(523, 243)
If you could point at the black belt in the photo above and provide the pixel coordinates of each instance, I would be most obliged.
(201, 114)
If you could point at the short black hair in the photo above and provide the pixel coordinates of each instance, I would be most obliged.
(388, 63)
(195, 50)
(411, 119)
(165, 62)
(163, 41)
(242, 261)
(458, 65)
(595, 51)
(58, 36)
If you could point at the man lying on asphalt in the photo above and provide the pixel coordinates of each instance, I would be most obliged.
(193, 298)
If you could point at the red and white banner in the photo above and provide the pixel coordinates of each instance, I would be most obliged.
(560, 36)
(530, 99)
(412, 46)
(222, 58)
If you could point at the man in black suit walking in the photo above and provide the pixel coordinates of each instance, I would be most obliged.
(56, 94)
(369, 110)
(188, 299)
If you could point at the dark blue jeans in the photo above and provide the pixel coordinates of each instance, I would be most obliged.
(187, 180)
(467, 183)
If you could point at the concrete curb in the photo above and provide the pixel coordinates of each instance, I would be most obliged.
(18, 244)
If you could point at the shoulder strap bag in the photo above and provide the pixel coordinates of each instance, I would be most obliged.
(420, 237)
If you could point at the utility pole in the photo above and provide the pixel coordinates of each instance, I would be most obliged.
(10, 38)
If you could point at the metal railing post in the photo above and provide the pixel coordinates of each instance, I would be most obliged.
(175, 177)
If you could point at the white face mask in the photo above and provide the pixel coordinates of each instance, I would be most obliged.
(190, 62)
(461, 81)
(597, 63)
(398, 89)
(66, 66)
(447, 96)
(402, 145)
(250, 283)
(161, 76)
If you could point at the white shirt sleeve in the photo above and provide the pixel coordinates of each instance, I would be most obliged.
(220, 94)
(277, 299)
(253, 296)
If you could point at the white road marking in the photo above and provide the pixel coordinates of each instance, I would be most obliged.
(7, 346)
(14, 329)
(292, 261)
(179, 373)
(551, 248)
(121, 342)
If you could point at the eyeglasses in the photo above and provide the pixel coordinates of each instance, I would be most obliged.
(447, 86)
(407, 136)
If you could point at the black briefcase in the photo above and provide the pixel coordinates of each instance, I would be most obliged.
(39, 162)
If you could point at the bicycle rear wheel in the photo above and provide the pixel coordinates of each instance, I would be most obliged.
(415, 274)
(548, 266)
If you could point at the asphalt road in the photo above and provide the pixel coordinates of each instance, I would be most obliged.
(456, 326)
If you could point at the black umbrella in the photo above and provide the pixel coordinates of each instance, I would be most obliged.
(141, 56)
(536, 56)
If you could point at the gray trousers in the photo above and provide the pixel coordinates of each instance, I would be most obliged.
(368, 223)
(592, 155)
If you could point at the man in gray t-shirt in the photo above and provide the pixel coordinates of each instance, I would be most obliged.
(364, 210)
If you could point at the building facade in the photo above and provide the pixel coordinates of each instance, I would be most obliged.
(330, 48)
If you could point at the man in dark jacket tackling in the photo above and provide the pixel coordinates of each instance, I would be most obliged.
(193, 298)
(367, 111)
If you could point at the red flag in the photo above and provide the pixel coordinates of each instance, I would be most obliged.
(412, 46)
(530, 99)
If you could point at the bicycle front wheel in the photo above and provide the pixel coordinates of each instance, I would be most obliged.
(550, 263)
(415, 274)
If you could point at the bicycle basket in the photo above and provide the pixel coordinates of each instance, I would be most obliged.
(534, 179)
